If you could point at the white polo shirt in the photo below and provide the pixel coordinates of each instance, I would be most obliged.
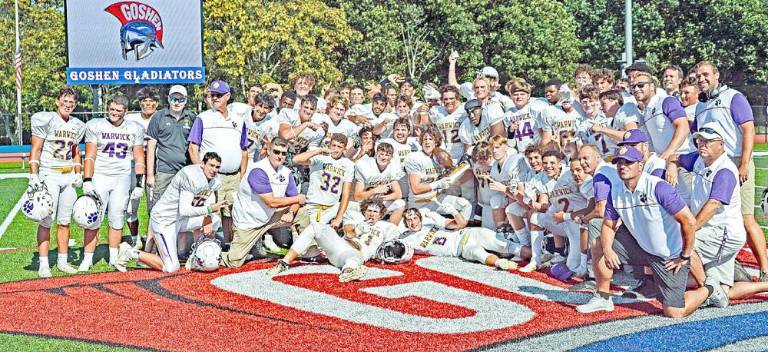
(648, 213)
(249, 211)
(227, 136)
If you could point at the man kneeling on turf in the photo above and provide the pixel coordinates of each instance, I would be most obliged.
(187, 205)
(349, 252)
(471, 243)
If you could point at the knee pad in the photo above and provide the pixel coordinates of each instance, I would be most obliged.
(515, 209)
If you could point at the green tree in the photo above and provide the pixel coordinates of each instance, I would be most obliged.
(248, 41)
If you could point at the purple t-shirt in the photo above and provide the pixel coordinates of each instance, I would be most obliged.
(723, 184)
(666, 196)
(602, 187)
(259, 182)
(673, 109)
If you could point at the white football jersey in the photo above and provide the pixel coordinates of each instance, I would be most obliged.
(564, 126)
(431, 240)
(484, 192)
(144, 123)
(471, 134)
(426, 168)
(367, 243)
(314, 137)
(566, 195)
(188, 195)
(528, 124)
(59, 135)
(401, 150)
(368, 173)
(387, 132)
(511, 170)
(257, 131)
(345, 127)
(114, 145)
(327, 177)
(449, 124)
(587, 136)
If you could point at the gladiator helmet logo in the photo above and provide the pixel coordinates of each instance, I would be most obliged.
(142, 28)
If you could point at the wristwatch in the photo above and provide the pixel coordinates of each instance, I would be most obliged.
(685, 257)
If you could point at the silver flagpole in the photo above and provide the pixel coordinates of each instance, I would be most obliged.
(18, 89)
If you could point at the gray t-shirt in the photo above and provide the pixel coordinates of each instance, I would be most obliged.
(171, 136)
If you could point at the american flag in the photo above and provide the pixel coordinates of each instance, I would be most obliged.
(17, 63)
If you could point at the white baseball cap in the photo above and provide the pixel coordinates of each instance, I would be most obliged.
(710, 131)
(178, 89)
(488, 71)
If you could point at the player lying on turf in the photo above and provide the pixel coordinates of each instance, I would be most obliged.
(347, 253)
(472, 243)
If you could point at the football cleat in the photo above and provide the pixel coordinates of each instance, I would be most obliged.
(123, 257)
(44, 272)
(66, 268)
(353, 274)
(529, 268)
(278, 268)
(505, 264)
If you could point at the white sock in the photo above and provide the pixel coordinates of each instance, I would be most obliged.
(583, 260)
(112, 255)
(87, 258)
(537, 237)
(62, 259)
(44, 262)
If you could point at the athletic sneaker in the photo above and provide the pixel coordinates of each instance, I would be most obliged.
(556, 259)
(740, 274)
(718, 298)
(596, 304)
(84, 267)
(352, 274)
(278, 268)
(646, 290)
(44, 272)
(529, 268)
(580, 272)
(66, 268)
(505, 264)
(123, 257)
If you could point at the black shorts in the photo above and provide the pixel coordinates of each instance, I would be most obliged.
(671, 285)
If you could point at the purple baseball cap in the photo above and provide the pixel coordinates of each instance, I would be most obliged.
(634, 136)
(560, 271)
(220, 87)
(627, 153)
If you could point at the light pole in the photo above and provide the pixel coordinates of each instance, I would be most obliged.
(627, 34)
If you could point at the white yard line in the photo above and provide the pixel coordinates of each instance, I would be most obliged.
(12, 214)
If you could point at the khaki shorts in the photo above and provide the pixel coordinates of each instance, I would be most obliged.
(229, 187)
(747, 188)
(718, 253)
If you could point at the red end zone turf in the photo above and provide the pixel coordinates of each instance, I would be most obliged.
(198, 311)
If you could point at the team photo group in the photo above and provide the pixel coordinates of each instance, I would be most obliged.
(649, 175)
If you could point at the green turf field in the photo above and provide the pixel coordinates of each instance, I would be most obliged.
(13, 168)
(34, 343)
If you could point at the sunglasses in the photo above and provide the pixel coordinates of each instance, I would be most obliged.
(217, 95)
(279, 152)
(640, 85)
(709, 131)
(175, 100)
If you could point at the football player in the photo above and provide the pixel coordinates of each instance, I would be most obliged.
(469, 243)
(505, 172)
(448, 117)
(302, 125)
(425, 178)
(524, 193)
(330, 182)
(149, 100)
(347, 253)
(522, 119)
(55, 161)
(187, 205)
(561, 122)
(403, 145)
(569, 194)
(262, 126)
(378, 178)
(481, 168)
(113, 146)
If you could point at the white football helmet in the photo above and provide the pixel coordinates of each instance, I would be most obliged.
(38, 204)
(205, 255)
(87, 211)
(394, 252)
